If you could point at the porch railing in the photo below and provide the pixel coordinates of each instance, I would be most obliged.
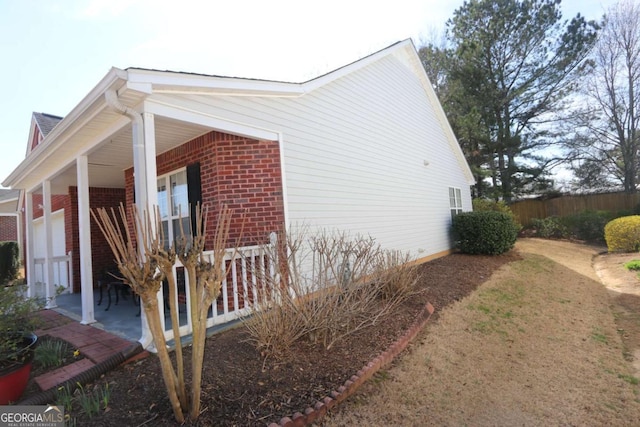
(62, 275)
(249, 270)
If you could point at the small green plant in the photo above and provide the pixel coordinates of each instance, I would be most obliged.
(633, 265)
(90, 400)
(17, 317)
(51, 353)
(64, 398)
(105, 395)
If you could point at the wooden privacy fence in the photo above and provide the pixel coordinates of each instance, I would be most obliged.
(527, 210)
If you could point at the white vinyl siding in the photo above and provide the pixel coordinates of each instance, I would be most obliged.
(355, 152)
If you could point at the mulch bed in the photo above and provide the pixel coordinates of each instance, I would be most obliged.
(241, 388)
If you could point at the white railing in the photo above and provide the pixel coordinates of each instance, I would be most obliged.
(62, 275)
(248, 271)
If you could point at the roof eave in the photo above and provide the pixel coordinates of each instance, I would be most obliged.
(185, 83)
(35, 157)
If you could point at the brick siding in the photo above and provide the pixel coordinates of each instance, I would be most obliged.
(58, 201)
(101, 255)
(241, 172)
(8, 228)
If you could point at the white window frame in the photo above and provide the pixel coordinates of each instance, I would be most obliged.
(455, 201)
(170, 217)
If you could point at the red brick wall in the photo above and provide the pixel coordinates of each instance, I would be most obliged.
(101, 254)
(8, 228)
(241, 172)
(58, 201)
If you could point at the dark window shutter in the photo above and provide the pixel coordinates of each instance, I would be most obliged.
(194, 191)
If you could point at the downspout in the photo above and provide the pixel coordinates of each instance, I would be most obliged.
(140, 177)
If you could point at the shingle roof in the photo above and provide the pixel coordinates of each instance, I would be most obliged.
(46, 122)
(6, 194)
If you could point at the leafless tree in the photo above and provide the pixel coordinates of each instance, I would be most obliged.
(611, 120)
(145, 262)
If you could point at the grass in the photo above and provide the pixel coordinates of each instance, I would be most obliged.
(629, 378)
(598, 336)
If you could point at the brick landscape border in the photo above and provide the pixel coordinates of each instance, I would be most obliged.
(320, 408)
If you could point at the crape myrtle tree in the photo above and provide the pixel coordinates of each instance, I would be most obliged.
(607, 141)
(507, 71)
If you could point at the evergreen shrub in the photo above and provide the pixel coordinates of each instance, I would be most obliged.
(484, 232)
(623, 234)
(9, 262)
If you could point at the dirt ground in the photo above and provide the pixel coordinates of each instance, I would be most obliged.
(542, 342)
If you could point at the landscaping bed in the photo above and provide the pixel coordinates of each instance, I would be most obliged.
(241, 388)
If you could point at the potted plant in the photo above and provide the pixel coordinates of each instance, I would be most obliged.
(18, 321)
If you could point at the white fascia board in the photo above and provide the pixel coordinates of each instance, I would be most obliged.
(174, 82)
(52, 140)
(214, 122)
(314, 84)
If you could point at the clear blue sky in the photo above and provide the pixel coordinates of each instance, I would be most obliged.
(54, 52)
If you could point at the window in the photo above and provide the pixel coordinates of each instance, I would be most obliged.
(455, 201)
(173, 204)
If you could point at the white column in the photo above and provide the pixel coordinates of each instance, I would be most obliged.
(30, 265)
(48, 252)
(144, 168)
(84, 235)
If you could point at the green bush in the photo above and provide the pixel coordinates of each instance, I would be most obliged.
(633, 265)
(484, 232)
(623, 234)
(9, 262)
(551, 226)
(588, 225)
(489, 205)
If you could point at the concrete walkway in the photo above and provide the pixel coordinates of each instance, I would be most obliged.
(95, 344)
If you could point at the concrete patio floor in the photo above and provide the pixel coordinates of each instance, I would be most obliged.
(121, 319)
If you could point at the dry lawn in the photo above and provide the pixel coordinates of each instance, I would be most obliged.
(537, 344)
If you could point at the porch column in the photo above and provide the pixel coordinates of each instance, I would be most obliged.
(84, 235)
(50, 291)
(145, 171)
(30, 266)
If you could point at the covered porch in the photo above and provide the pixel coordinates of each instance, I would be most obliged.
(103, 153)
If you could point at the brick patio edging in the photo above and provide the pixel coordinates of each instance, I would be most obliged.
(320, 408)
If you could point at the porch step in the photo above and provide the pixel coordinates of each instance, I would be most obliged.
(60, 375)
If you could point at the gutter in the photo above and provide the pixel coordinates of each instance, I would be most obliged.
(140, 175)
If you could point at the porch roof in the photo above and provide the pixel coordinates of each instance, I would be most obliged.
(104, 135)
(9, 201)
